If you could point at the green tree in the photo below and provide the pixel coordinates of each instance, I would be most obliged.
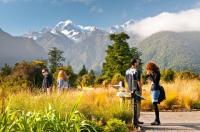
(56, 59)
(28, 72)
(83, 71)
(118, 56)
(92, 77)
(5, 70)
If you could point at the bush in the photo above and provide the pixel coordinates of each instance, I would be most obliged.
(124, 115)
(116, 125)
(196, 105)
(117, 78)
(168, 75)
(28, 71)
(99, 80)
(5, 70)
(187, 75)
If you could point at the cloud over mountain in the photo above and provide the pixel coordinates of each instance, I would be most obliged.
(188, 20)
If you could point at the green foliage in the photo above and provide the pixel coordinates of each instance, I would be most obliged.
(92, 77)
(83, 71)
(24, 76)
(29, 72)
(124, 115)
(196, 105)
(179, 51)
(99, 80)
(5, 70)
(87, 79)
(117, 78)
(168, 75)
(50, 120)
(116, 125)
(118, 55)
(55, 58)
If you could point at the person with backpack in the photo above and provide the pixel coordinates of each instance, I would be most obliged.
(153, 74)
(47, 83)
(134, 86)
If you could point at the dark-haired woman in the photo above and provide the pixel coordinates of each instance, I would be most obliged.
(153, 74)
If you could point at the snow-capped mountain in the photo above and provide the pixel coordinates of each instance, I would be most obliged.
(121, 28)
(67, 28)
(81, 44)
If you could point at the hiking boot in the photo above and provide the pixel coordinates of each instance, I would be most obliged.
(155, 123)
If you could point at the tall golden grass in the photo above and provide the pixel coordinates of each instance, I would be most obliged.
(180, 94)
(95, 104)
(103, 104)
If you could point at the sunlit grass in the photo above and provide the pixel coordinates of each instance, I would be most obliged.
(180, 94)
(102, 104)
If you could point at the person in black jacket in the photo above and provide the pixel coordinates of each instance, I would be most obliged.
(47, 83)
(153, 74)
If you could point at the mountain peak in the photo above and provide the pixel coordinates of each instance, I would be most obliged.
(67, 22)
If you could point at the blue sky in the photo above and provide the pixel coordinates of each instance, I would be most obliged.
(20, 16)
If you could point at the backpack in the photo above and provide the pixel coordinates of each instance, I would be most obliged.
(162, 95)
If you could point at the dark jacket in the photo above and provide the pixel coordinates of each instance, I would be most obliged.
(47, 81)
(155, 78)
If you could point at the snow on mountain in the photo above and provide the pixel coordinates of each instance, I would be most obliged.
(76, 33)
(121, 28)
(35, 35)
(81, 44)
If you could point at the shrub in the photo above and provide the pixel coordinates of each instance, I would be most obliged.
(168, 75)
(124, 115)
(28, 71)
(99, 80)
(187, 75)
(117, 78)
(116, 125)
(196, 105)
(5, 70)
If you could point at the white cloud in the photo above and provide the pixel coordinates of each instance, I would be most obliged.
(96, 9)
(188, 20)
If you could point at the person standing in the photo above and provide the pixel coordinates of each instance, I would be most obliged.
(134, 86)
(62, 80)
(47, 83)
(153, 74)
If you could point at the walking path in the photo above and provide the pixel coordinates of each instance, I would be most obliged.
(172, 122)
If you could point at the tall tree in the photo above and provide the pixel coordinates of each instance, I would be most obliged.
(83, 71)
(56, 59)
(118, 55)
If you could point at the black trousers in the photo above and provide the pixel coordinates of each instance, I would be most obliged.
(135, 112)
